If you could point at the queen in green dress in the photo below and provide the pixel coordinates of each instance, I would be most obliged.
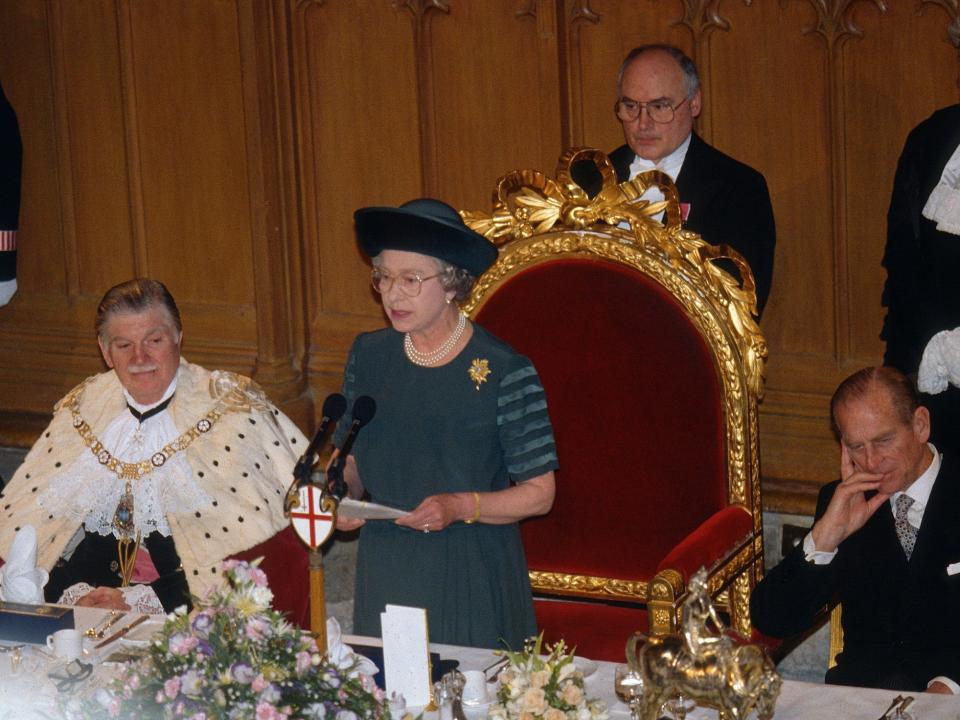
(461, 438)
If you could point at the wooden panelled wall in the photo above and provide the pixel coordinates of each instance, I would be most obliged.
(222, 146)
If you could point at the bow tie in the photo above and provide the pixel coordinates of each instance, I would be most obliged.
(147, 414)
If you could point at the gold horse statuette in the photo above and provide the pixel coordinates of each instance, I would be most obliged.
(703, 664)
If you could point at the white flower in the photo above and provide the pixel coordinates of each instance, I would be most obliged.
(535, 701)
(571, 694)
(543, 683)
(262, 596)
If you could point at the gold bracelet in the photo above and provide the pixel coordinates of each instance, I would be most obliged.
(476, 509)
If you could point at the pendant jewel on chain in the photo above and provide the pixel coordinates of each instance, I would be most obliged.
(432, 358)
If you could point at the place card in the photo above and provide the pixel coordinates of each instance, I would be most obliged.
(406, 653)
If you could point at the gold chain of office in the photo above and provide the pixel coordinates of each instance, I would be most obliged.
(134, 471)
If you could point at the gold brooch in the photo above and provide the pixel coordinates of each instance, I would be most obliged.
(479, 370)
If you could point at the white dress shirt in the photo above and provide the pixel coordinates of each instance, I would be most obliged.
(671, 165)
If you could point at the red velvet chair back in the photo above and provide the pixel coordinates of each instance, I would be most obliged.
(635, 402)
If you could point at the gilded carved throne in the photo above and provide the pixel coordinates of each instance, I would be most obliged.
(653, 368)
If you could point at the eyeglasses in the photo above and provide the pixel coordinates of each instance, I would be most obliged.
(410, 284)
(71, 675)
(660, 111)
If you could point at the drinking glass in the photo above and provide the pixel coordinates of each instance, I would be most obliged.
(628, 685)
(679, 706)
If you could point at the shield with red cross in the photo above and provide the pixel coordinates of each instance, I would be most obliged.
(313, 519)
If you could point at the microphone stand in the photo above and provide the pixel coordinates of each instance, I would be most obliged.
(332, 488)
(302, 498)
(318, 596)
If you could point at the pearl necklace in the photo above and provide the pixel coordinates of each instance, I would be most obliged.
(432, 358)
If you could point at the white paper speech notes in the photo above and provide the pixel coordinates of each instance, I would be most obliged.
(406, 653)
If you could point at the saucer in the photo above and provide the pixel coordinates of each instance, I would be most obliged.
(478, 709)
(585, 665)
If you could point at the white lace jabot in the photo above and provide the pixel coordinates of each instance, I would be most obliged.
(89, 492)
(943, 205)
(940, 365)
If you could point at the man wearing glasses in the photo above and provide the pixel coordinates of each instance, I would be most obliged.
(725, 201)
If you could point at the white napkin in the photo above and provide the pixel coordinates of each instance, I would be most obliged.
(941, 362)
(20, 579)
(943, 205)
(343, 656)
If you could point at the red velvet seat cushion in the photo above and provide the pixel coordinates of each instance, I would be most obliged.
(634, 397)
(598, 631)
(286, 563)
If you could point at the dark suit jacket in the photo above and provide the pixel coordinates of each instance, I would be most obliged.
(922, 292)
(11, 157)
(95, 562)
(729, 203)
(901, 620)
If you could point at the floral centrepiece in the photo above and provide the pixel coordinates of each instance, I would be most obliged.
(234, 657)
(535, 685)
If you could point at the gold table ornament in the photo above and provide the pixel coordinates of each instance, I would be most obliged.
(703, 664)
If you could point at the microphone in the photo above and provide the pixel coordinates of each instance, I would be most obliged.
(364, 408)
(333, 409)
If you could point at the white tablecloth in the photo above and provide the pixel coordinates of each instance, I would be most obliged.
(797, 701)
(30, 694)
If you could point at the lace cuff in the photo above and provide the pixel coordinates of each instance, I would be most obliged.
(141, 598)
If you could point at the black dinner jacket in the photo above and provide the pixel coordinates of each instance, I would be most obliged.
(729, 203)
(94, 561)
(900, 619)
(922, 291)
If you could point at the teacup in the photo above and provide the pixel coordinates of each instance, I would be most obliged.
(66, 644)
(474, 687)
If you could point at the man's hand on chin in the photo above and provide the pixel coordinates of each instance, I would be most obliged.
(107, 598)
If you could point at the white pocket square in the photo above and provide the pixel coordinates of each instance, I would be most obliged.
(953, 568)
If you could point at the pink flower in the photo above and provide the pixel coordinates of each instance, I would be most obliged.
(258, 576)
(303, 662)
(259, 683)
(181, 644)
(171, 688)
(266, 711)
(256, 628)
